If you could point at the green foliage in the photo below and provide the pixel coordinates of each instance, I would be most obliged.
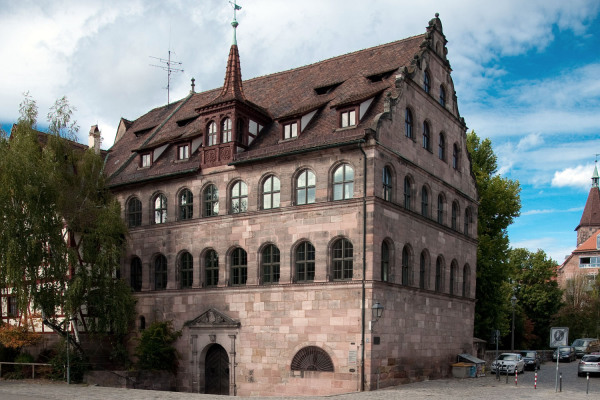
(499, 204)
(155, 350)
(581, 311)
(538, 295)
(58, 213)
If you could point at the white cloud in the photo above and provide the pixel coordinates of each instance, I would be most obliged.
(577, 177)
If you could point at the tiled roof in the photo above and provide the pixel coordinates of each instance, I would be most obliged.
(591, 212)
(286, 94)
(589, 244)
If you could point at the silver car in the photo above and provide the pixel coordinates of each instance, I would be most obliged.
(589, 363)
(508, 363)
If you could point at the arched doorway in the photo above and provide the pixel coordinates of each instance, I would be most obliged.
(216, 371)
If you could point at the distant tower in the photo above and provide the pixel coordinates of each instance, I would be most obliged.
(590, 219)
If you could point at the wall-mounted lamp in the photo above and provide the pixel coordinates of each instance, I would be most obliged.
(377, 311)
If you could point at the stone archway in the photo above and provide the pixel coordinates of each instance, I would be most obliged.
(216, 371)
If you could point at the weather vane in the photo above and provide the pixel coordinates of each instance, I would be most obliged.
(234, 23)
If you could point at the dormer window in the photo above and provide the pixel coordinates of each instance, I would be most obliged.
(290, 130)
(348, 118)
(226, 130)
(183, 152)
(146, 160)
(211, 138)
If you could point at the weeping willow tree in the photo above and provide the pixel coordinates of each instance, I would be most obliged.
(61, 234)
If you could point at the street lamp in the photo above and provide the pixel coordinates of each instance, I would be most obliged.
(513, 301)
(377, 311)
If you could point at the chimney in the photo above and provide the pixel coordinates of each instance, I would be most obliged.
(94, 139)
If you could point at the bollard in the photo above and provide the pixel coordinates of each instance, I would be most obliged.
(587, 389)
(535, 381)
(507, 375)
(516, 376)
(560, 382)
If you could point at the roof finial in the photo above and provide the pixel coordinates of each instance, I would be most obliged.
(595, 177)
(234, 23)
(193, 86)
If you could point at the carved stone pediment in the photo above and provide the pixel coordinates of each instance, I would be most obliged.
(212, 318)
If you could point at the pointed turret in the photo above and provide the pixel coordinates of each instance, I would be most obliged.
(590, 219)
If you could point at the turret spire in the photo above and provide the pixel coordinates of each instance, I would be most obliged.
(595, 177)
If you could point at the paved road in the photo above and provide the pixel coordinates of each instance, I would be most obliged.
(486, 388)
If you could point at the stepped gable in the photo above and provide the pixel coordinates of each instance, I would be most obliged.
(278, 96)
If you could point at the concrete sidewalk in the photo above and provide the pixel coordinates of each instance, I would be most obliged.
(486, 388)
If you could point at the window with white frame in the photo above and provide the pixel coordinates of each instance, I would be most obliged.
(290, 130)
(348, 118)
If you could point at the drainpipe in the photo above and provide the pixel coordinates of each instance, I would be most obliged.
(364, 270)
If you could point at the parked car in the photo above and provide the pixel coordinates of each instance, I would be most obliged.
(589, 363)
(586, 345)
(567, 353)
(532, 359)
(508, 363)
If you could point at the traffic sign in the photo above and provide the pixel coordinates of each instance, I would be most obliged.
(559, 337)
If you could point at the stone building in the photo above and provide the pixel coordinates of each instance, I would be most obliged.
(584, 261)
(269, 217)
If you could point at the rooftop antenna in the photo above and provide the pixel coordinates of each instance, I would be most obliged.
(169, 68)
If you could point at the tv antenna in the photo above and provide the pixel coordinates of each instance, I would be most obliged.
(168, 66)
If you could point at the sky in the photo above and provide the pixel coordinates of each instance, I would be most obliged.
(525, 72)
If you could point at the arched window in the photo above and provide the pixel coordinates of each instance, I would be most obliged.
(136, 274)
(440, 209)
(442, 147)
(426, 82)
(343, 182)
(387, 184)
(306, 187)
(160, 272)
(226, 131)
(270, 264)
(453, 276)
(211, 137)
(186, 270)
(466, 282)
(186, 204)
(424, 202)
(305, 262)
(134, 212)
(239, 197)
(142, 322)
(467, 221)
(271, 192)
(442, 96)
(385, 262)
(426, 136)
(455, 156)
(211, 267)
(408, 123)
(439, 274)
(406, 270)
(211, 201)
(423, 264)
(239, 267)
(160, 209)
(454, 224)
(312, 358)
(342, 258)
(407, 193)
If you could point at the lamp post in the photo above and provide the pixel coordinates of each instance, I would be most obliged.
(513, 301)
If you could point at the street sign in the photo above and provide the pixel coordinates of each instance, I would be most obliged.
(559, 337)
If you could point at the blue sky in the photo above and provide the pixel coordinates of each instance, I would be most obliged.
(526, 73)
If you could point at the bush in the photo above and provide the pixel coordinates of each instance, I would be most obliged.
(155, 350)
(77, 361)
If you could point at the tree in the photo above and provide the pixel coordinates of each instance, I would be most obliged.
(581, 311)
(155, 349)
(499, 204)
(538, 295)
(61, 234)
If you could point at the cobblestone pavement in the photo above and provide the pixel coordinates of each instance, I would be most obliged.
(486, 388)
